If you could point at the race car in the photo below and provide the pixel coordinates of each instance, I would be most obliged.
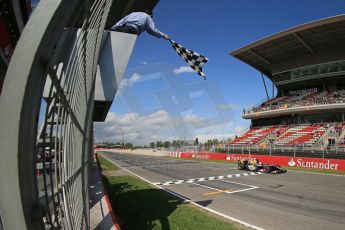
(255, 165)
(272, 169)
(245, 164)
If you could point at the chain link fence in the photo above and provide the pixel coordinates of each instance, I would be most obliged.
(54, 65)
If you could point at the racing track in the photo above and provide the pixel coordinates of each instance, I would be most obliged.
(293, 200)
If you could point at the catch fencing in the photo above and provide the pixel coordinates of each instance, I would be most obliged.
(44, 177)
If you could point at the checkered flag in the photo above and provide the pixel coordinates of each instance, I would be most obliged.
(195, 60)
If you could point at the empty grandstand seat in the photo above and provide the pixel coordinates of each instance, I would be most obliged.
(302, 135)
(254, 135)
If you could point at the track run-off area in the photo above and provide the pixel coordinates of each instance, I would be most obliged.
(294, 200)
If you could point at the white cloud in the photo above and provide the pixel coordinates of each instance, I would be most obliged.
(213, 129)
(128, 82)
(228, 106)
(221, 131)
(135, 77)
(240, 129)
(142, 129)
(183, 69)
(136, 128)
(143, 62)
(195, 120)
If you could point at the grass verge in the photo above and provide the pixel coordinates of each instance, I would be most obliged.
(138, 205)
(106, 165)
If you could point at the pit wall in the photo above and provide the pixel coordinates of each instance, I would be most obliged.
(294, 162)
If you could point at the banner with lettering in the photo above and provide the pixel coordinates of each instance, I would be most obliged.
(295, 162)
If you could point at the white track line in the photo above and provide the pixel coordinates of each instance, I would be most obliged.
(232, 182)
(241, 190)
(212, 178)
(220, 190)
(205, 186)
(189, 201)
(251, 187)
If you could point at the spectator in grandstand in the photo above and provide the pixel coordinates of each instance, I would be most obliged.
(325, 97)
(138, 22)
(342, 141)
(40, 155)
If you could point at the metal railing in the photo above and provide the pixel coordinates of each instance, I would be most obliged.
(44, 183)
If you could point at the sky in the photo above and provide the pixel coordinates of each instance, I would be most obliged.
(162, 99)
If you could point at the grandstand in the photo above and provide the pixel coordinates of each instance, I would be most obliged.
(306, 65)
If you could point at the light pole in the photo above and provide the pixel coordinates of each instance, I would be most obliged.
(123, 139)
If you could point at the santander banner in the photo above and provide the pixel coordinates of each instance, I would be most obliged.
(296, 162)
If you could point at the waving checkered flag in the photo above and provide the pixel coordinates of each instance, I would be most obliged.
(195, 60)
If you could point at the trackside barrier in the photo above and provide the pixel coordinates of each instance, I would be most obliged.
(295, 162)
(175, 154)
(114, 218)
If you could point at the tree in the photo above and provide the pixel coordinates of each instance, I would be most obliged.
(152, 145)
(128, 145)
(196, 142)
(166, 144)
(159, 144)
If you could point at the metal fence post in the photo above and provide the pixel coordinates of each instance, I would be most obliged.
(294, 152)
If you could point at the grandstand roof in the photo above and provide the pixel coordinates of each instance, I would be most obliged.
(306, 39)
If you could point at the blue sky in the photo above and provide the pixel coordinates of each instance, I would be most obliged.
(161, 99)
(34, 2)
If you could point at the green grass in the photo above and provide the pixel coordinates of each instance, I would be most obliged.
(106, 165)
(140, 206)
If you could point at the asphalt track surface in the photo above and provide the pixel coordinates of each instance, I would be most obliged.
(294, 200)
